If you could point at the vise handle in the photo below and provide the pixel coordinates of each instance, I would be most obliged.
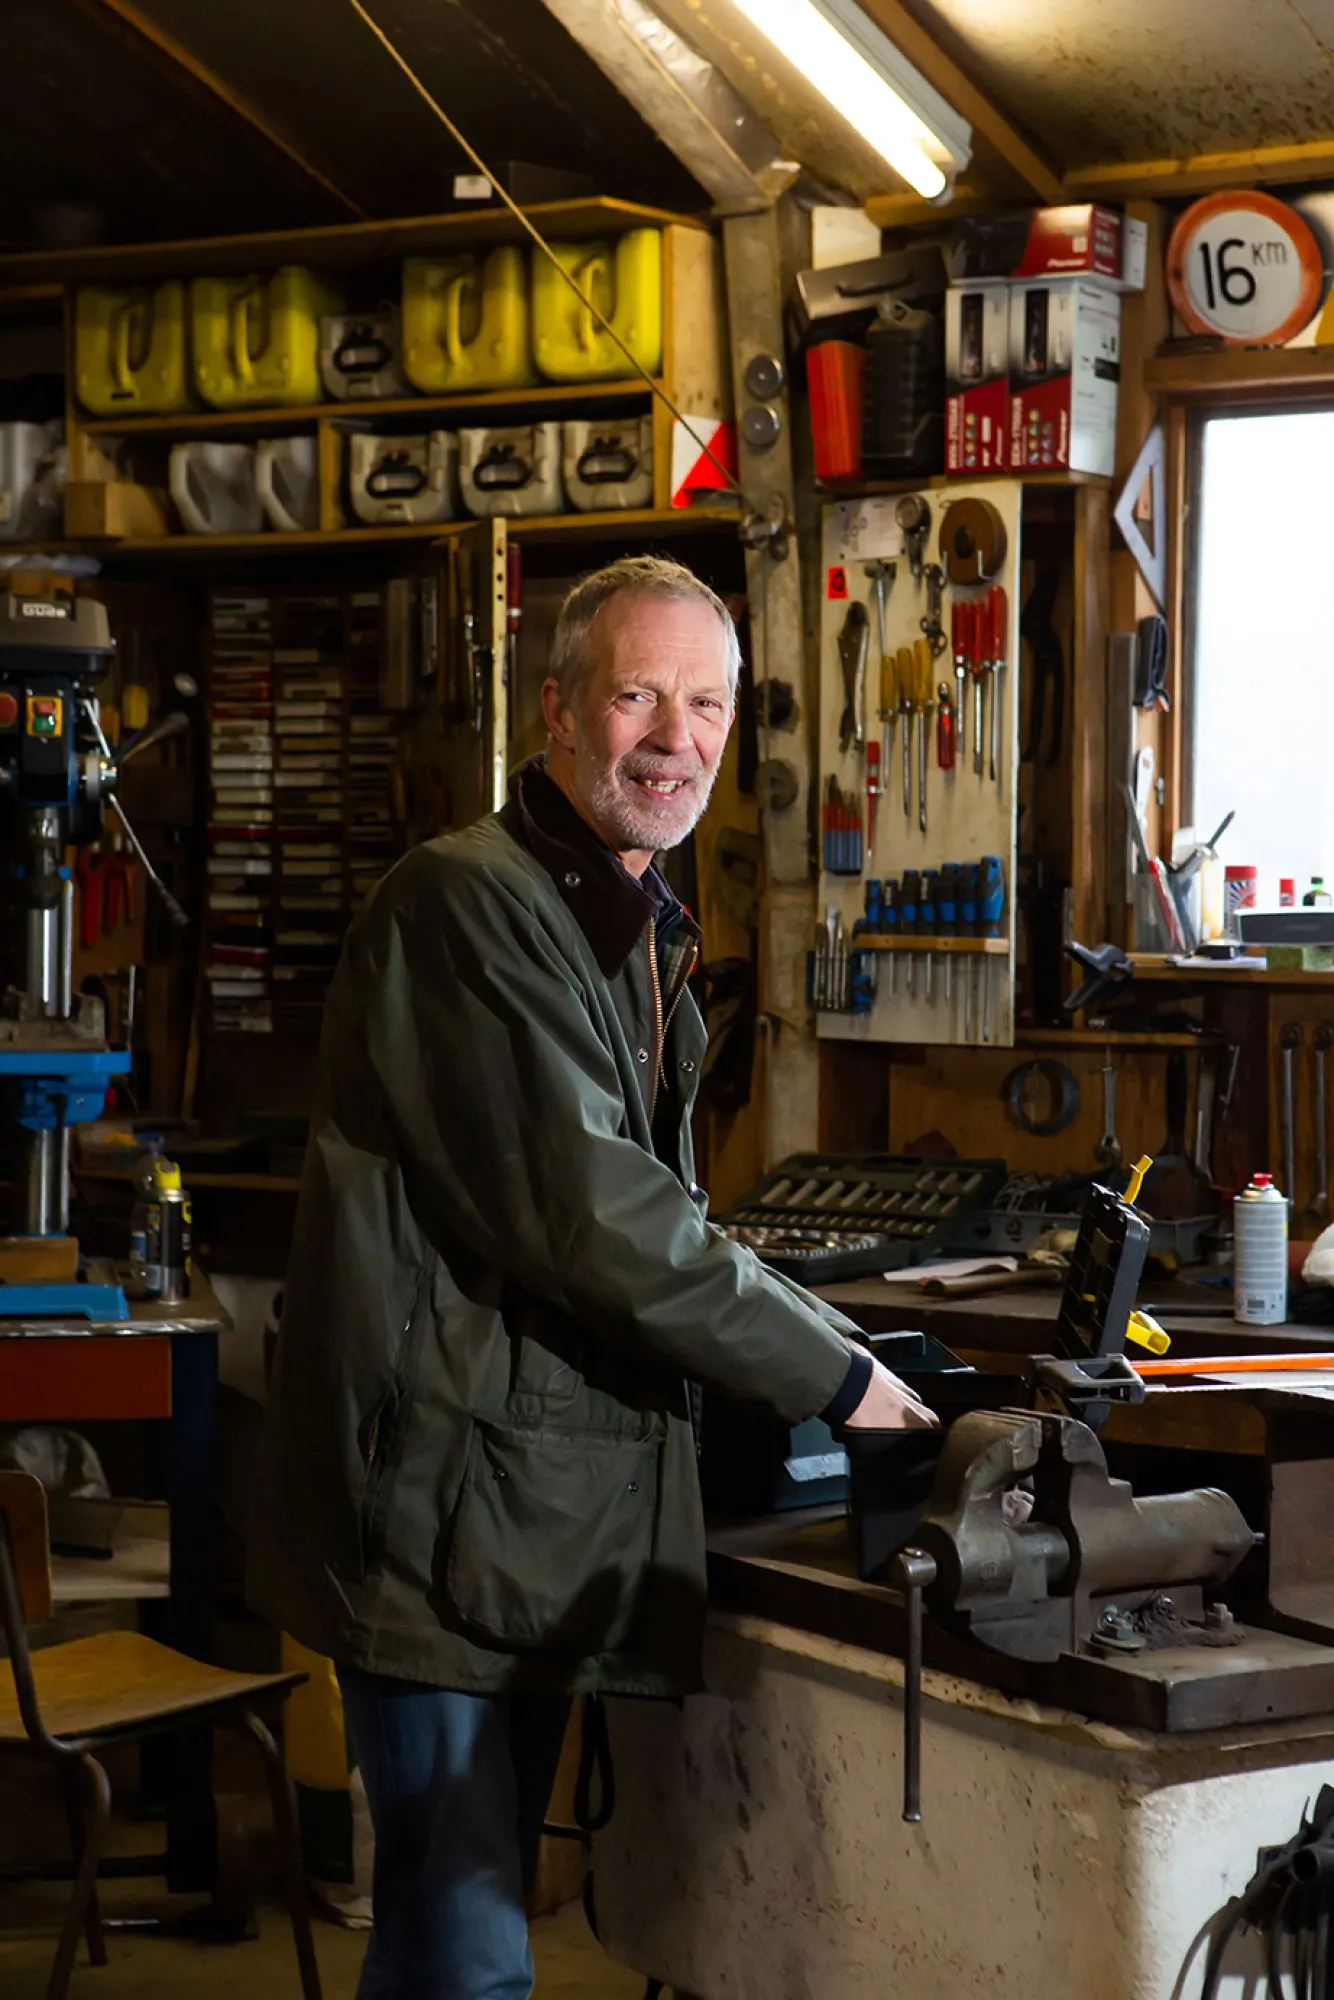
(911, 1572)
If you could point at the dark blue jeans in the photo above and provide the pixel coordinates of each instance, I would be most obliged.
(458, 1786)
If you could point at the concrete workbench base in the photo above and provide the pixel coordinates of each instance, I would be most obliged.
(757, 1847)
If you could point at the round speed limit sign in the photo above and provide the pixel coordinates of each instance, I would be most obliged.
(1246, 267)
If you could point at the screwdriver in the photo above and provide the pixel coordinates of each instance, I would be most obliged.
(872, 792)
(945, 727)
(947, 918)
(889, 920)
(961, 626)
(888, 710)
(927, 921)
(977, 644)
(903, 677)
(990, 909)
(967, 903)
(998, 618)
(923, 704)
(909, 896)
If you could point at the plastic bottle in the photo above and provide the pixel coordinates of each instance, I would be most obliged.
(1260, 1224)
(1317, 896)
(1287, 892)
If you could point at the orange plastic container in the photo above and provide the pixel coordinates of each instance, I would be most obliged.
(834, 376)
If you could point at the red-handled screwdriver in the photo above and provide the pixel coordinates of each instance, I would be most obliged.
(945, 727)
(872, 790)
(998, 619)
(960, 626)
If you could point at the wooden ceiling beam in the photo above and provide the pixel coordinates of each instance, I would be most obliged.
(940, 70)
(1200, 173)
(173, 57)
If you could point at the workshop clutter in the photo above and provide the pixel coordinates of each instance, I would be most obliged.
(213, 488)
(130, 349)
(497, 319)
(992, 348)
(403, 479)
(515, 470)
(301, 816)
(32, 480)
(608, 463)
(256, 340)
(919, 747)
(287, 480)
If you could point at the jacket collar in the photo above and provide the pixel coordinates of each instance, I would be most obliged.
(611, 908)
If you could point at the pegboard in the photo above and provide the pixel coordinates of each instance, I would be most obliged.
(962, 996)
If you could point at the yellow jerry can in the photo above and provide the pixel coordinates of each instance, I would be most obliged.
(129, 349)
(257, 339)
(624, 281)
(465, 323)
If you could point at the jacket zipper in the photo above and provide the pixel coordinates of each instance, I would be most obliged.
(661, 1024)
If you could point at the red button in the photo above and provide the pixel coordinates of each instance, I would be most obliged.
(9, 710)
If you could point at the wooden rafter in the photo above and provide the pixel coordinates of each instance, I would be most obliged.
(181, 64)
(940, 70)
(1313, 159)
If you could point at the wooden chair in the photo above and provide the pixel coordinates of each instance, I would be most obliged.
(67, 1701)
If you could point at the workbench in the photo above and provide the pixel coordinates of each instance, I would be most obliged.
(159, 1366)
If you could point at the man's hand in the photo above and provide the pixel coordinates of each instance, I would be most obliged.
(890, 1405)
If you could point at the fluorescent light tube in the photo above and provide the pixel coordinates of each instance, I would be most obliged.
(842, 53)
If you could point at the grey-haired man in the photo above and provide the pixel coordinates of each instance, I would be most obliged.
(480, 1493)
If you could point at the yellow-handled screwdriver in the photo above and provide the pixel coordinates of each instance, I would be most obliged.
(888, 710)
(924, 677)
(904, 682)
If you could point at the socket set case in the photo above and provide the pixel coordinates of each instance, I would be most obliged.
(824, 1217)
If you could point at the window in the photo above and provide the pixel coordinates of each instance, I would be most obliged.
(1262, 710)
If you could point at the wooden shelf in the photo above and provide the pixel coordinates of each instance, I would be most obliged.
(203, 423)
(1091, 1038)
(940, 482)
(938, 947)
(335, 247)
(138, 1567)
(608, 526)
(1234, 374)
(1152, 966)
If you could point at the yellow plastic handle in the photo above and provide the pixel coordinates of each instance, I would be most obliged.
(120, 349)
(1136, 1181)
(453, 331)
(586, 277)
(1145, 1331)
(240, 319)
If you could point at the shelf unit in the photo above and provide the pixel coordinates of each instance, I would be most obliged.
(1236, 374)
(694, 374)
(941, 482)
(922, 943)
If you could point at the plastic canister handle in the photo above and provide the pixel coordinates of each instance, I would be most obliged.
(240, 329)
(587, 276)
(120, 350)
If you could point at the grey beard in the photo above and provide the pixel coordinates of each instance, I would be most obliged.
(626, 828)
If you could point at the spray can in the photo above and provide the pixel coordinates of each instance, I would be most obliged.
(1260, 1225)
(160, 1233)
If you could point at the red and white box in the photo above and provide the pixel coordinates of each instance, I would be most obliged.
(1065, 371)
(977, 378)
(1082, 239)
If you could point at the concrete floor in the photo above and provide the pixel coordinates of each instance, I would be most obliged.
(569, 1964)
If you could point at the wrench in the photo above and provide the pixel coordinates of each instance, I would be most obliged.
(1107, 1152)
(1290, 1040)
(1324, 1041)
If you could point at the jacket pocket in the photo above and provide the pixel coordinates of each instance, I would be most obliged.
(552, 1537)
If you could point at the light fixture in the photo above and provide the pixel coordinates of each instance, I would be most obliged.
(863, 76)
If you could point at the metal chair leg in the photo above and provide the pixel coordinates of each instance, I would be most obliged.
(289, 1848)
(78, 1913)
(76, 1814)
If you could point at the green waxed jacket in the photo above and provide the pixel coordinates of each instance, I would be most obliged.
(479, 1468)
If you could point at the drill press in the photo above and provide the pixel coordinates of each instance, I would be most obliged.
(57, 777)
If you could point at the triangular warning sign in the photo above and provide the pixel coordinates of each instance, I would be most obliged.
(692, 471)
(1145, 531)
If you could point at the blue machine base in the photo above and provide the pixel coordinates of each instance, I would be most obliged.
(63, 1302)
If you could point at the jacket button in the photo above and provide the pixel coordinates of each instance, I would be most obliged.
(633, 1487)
(572, 879)
(641, 1055)
(688, 1066)
(499, 1474)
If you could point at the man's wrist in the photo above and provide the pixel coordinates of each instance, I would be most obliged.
(854, 1387)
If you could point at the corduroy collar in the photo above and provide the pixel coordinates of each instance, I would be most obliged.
(611, 908)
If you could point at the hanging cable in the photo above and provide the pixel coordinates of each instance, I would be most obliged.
(567, 277)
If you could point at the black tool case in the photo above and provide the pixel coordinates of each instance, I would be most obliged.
(824, 1217)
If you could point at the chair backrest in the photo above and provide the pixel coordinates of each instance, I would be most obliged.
(23, 1515)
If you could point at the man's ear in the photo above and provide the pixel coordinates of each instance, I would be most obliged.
(557, 715)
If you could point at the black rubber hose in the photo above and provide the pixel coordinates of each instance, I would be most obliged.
(594, 1760)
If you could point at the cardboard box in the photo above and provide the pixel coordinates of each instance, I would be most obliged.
(114, 508)
(1065, 368)
(1084, 239)
(977, 378)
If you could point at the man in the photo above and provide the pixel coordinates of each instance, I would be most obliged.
(479, 1490)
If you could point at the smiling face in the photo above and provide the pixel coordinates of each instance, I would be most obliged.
(638, 747)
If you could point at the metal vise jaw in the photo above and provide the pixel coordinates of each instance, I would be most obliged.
(1029, 1587)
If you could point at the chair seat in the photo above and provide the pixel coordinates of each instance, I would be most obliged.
(121, 1680)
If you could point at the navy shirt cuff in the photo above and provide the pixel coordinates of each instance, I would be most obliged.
(855, 1385)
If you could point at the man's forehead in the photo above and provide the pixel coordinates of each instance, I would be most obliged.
(664, 630)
